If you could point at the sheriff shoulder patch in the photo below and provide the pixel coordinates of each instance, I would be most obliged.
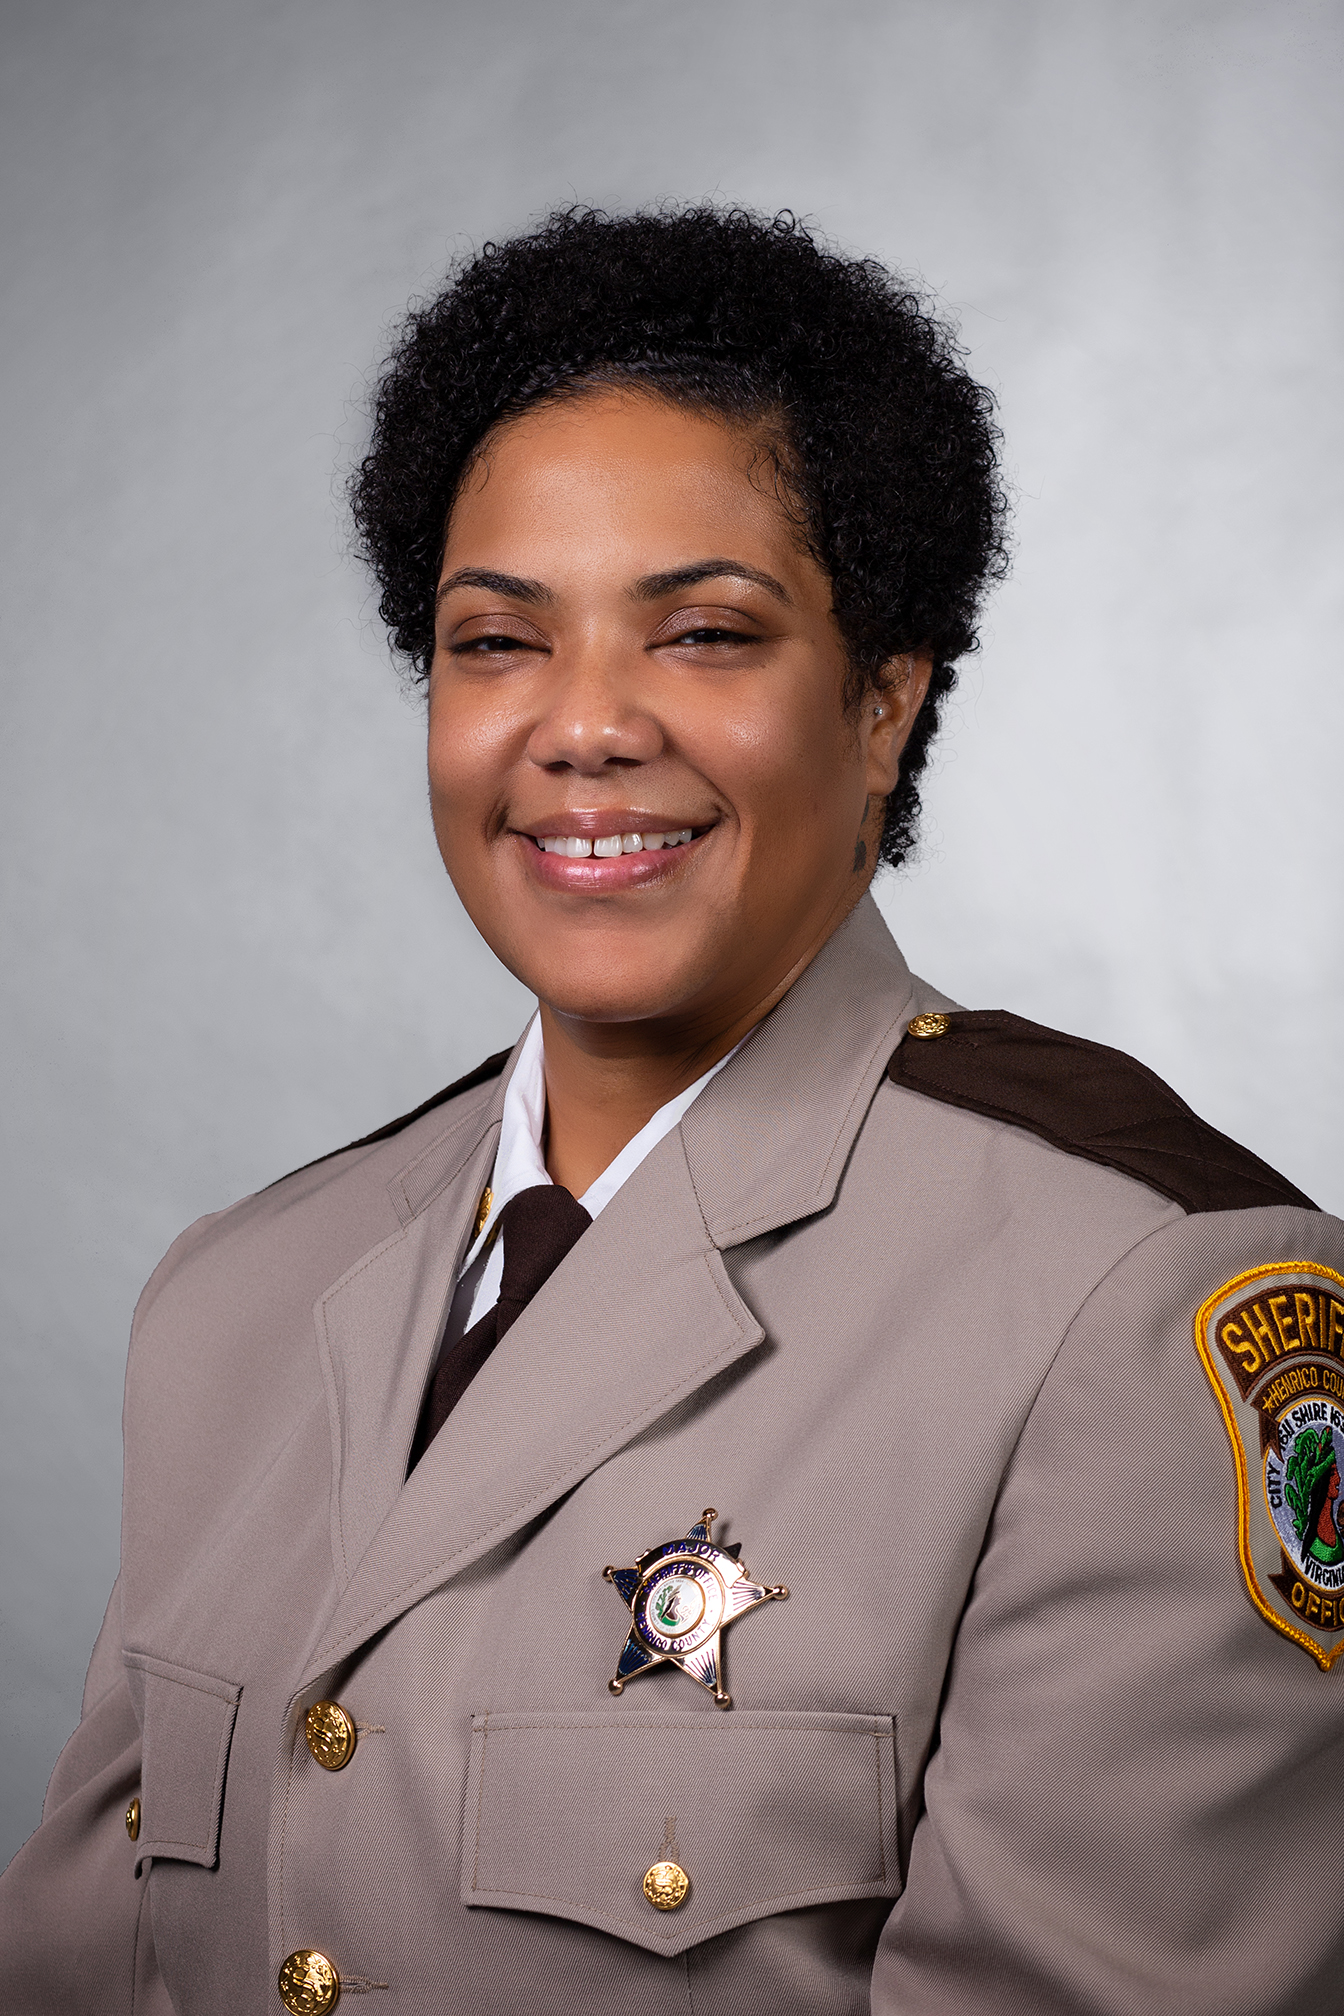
(1272, 1343)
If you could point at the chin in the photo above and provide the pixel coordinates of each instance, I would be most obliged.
(611, 1005)
(588, 978)
(585, 989)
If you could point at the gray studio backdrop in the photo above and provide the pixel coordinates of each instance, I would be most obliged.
(228, 943)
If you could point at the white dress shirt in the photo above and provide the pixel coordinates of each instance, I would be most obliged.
(519, 1165)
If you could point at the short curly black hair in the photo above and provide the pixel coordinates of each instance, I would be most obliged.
(887, 447)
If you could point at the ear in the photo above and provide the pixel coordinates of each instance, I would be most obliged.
(888, 716)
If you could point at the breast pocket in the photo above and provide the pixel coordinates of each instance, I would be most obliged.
(762, 1813)
(186, 1723)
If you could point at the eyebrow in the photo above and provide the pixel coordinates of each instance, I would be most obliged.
(653, 587)
(516, 586)
(649, 588)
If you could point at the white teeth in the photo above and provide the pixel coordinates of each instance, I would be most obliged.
(576, 849)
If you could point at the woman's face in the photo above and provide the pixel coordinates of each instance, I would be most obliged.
(631, 642)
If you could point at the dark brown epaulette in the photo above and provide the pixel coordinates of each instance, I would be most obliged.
(490, 1069)
(1087, 1100)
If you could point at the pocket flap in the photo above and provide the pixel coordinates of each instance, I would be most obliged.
(764, 1812)
(186, 1723)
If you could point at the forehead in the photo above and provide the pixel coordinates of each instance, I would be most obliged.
(628, 479)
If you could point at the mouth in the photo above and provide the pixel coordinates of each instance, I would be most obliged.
(606, 846)
(596, 852)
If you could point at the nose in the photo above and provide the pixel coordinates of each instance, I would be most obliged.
(596, 715)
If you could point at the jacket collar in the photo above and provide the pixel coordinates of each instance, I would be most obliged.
(768, 1140)
(640, 1314)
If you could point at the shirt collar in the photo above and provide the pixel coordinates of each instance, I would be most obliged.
(519, 1164)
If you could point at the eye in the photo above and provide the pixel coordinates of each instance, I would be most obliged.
(713, 634)
(713, 627)
(490, 645)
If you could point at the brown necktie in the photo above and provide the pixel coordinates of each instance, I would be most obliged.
(538, 1227)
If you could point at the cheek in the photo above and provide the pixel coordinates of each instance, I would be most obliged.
(790, 769)
(469, 751)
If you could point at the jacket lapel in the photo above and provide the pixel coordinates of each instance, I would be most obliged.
(639, 1315)
(768, 1139)
(376, 1330)
(607, 1346)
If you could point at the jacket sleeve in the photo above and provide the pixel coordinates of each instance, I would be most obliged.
(1134, 1799)
(75, 1935)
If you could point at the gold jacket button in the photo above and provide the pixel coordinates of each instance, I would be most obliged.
(930, 1025)
(329, 1734)
(666, 1885)
(133, 1819)
(309, 1984)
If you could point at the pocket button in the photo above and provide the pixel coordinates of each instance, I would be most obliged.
(666, 1885)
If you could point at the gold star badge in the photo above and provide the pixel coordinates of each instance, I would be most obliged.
(682, 1596)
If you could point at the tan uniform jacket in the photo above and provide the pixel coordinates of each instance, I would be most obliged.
(1018, 1741)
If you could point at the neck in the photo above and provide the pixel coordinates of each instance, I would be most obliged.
(606, 1080)
(598, 1098)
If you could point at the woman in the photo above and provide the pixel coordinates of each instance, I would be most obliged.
(432, 1672)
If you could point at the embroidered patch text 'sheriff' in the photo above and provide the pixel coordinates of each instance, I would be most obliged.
(1272, 1342)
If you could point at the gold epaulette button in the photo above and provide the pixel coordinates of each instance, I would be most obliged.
(930, 1025)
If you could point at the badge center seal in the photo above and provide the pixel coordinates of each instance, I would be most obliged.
(681, 1597)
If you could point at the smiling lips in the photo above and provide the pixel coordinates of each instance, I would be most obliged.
(593, 863)
(576, 848)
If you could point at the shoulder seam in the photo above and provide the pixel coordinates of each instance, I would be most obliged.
(1067, 1330)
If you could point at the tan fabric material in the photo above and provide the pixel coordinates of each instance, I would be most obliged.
(936, 1375)
(814, 1794)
